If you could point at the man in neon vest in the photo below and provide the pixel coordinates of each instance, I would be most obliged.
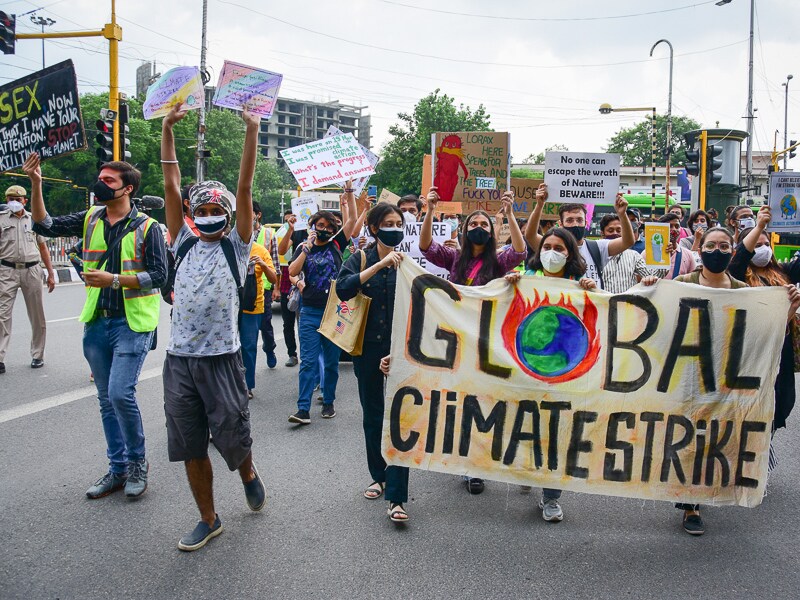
(204, 384)
(121, 310)
(266, 237)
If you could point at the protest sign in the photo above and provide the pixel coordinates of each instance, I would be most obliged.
(583, 177)
(181, 85)
(410, 246)
(656, 240)
(450, 208)
(466, 163)
(40, 113)
(784, 188)
(327, 161)
(359, 183)
(524, 200)
(241, 86)
(388, 196)
(304, 207)
(665, 392)
(427, 175)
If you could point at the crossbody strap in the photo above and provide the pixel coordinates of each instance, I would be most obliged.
(116, 241)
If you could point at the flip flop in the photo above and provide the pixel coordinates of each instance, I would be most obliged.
(374, 491)
(397, 513)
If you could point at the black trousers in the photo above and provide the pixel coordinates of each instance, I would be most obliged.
(371, 394)
(289, 319)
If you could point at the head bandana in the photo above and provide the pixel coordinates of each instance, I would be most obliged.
(211, 192)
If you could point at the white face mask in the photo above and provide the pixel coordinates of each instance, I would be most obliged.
(409, 218)
(552, 260)
(15, 206)
(763, 254)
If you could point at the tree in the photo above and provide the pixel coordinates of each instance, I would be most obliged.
(400, 168)
(635, 145)
(538, 159)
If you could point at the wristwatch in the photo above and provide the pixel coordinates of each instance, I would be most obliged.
(115, 285)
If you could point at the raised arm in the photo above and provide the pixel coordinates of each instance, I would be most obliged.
(173, 204)
(33, 170)
(517, 241)
(286, 240)
(628, 239)
(426, 231)
(532, 230)
(762, 220)
(349, 210)
(247, 170)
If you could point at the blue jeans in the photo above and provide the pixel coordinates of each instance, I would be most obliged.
(115, 354)
(249, 326)
(312, 345)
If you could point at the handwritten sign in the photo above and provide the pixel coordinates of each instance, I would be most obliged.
(463, 162)
(327, 161)
(582, 177)
(181, 85)
(360, 182)
(304, 208)
(241, 86)
(784, 190)
(524, 200)
(388, 196)
(450, 208)
(40, 113)
(656, 240)
(410, 246)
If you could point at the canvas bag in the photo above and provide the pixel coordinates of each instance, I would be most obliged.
(344, 323)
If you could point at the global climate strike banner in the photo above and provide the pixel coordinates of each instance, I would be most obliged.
(40, 113)
(663, 393)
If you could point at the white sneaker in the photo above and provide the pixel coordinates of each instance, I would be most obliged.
(551, 509)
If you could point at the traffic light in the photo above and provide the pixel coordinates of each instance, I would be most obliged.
(8, 25)
(693, 162)
(105, 141)
(124, 131)
(793, 151)
(713, 164)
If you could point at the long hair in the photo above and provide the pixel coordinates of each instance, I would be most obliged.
(771, 275)
(575, 267)
(377, 214)
(490, 269)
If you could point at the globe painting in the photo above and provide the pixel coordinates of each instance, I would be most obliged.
(552, 341)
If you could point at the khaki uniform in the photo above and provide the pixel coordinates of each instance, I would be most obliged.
(20, 245)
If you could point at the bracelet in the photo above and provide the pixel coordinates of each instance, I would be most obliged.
(349, 191)
(169, 162)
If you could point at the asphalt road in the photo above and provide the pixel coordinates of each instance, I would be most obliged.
(318, 537)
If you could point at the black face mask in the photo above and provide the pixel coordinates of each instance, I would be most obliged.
(478, 236)
(103, 193)
(579, 231)
(323, 235)
(390, 237)
(716, 261)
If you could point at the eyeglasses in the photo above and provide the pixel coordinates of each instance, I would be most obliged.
(721, 246)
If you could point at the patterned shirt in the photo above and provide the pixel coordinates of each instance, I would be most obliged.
(321, 265)
(447, 258)
(619, 274)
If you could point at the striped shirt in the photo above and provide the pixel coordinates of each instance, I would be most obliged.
(620, 272)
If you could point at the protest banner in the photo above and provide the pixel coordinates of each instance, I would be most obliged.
(656, 240)
(359, 183)
(664, 392)
(784, 188)
(241, 86)
(40, 113)
(181, 85)
(583, 177)
(410, 246)
(304, 207)
(327, 161)
(465, 163)
(388, 196)
(524, 200)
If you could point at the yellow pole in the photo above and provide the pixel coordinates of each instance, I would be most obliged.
(113, 33)
(703, 157)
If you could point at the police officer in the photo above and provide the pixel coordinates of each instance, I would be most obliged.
(20, 252)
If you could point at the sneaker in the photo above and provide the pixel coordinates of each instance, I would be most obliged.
(200, 535)
(474, 485)
(302, 417)
(249, 394)
(137, 478)
(551, 509)
(327, 411)
(272, 360)
(525, 489)
(292, 362)
(255, 492)
(37, 363)
(2, 368)
(107, 484)
(693, 524)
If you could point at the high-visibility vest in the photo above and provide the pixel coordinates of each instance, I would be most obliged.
(284, 259)
(141, 306)
(265, 235)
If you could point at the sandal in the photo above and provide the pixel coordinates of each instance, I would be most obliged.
(374, 491)
(397, 513)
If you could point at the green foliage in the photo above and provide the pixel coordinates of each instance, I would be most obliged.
(400, 168)
(523, 173)
(538, 159)
(635, 146)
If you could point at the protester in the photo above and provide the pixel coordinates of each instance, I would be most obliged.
(121, 310)
(697, 223)
(373, 272)
(713, 217)
(410, 204)
(635, 217)
(681, 260)
(265, 237)
(204, 385)
(477, 262)
(20, 252)
(288, 317)
(677, 210)
(741, 217)
(626, 269)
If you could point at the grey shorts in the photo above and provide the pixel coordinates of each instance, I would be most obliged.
(207, 394)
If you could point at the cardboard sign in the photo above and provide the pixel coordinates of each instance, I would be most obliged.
(304, 208)
(427, 175)
(784, 190)
(40, 113)
(656, 241)
(327, 161)
(387, 196)
(410, 246)
(181, 85)
(450, 208)
(241, 86)
(652, 394)
(524, 200)
(359, 183)
(467, 163)
(582, 177)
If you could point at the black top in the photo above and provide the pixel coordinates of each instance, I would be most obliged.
(155, 251)
(321, 265)
(298, 237)
(380, 287)
(742, 257)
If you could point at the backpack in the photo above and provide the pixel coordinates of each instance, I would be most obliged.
(594, 251)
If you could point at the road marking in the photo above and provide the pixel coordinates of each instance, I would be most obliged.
(64, 319)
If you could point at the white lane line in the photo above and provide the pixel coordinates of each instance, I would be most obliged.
(64, 319)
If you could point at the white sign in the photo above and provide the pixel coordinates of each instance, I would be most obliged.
(361, 182)
(327, 161)
(582, 177)
(410, 246)
(304, 208)
(784, 189)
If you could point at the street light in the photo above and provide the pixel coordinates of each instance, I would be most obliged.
(786, 121)
(43, 21)
(607, 109)
(668, 148)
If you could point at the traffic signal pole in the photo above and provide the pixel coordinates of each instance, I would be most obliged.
(703, 166)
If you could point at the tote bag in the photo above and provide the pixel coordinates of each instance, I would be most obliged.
(344, 323)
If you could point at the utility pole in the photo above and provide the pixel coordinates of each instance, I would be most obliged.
(786, 122)
(201, 118)
(668, 148)
(750, 115)
(43, 21)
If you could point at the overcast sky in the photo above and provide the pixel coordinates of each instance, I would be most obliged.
(540, 68)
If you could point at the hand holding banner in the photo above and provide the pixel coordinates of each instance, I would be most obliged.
(181, 85)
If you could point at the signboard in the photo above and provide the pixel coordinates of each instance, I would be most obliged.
(241, 86)
(181, 85)
(410, 245)
(524, 200)
(388, 196)
(656, 241)
(304, 207)
(582, 177)
(784, 189)
(40, 113)
(327, 161)
(653, 394)
(359, 183)
(467, 163)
